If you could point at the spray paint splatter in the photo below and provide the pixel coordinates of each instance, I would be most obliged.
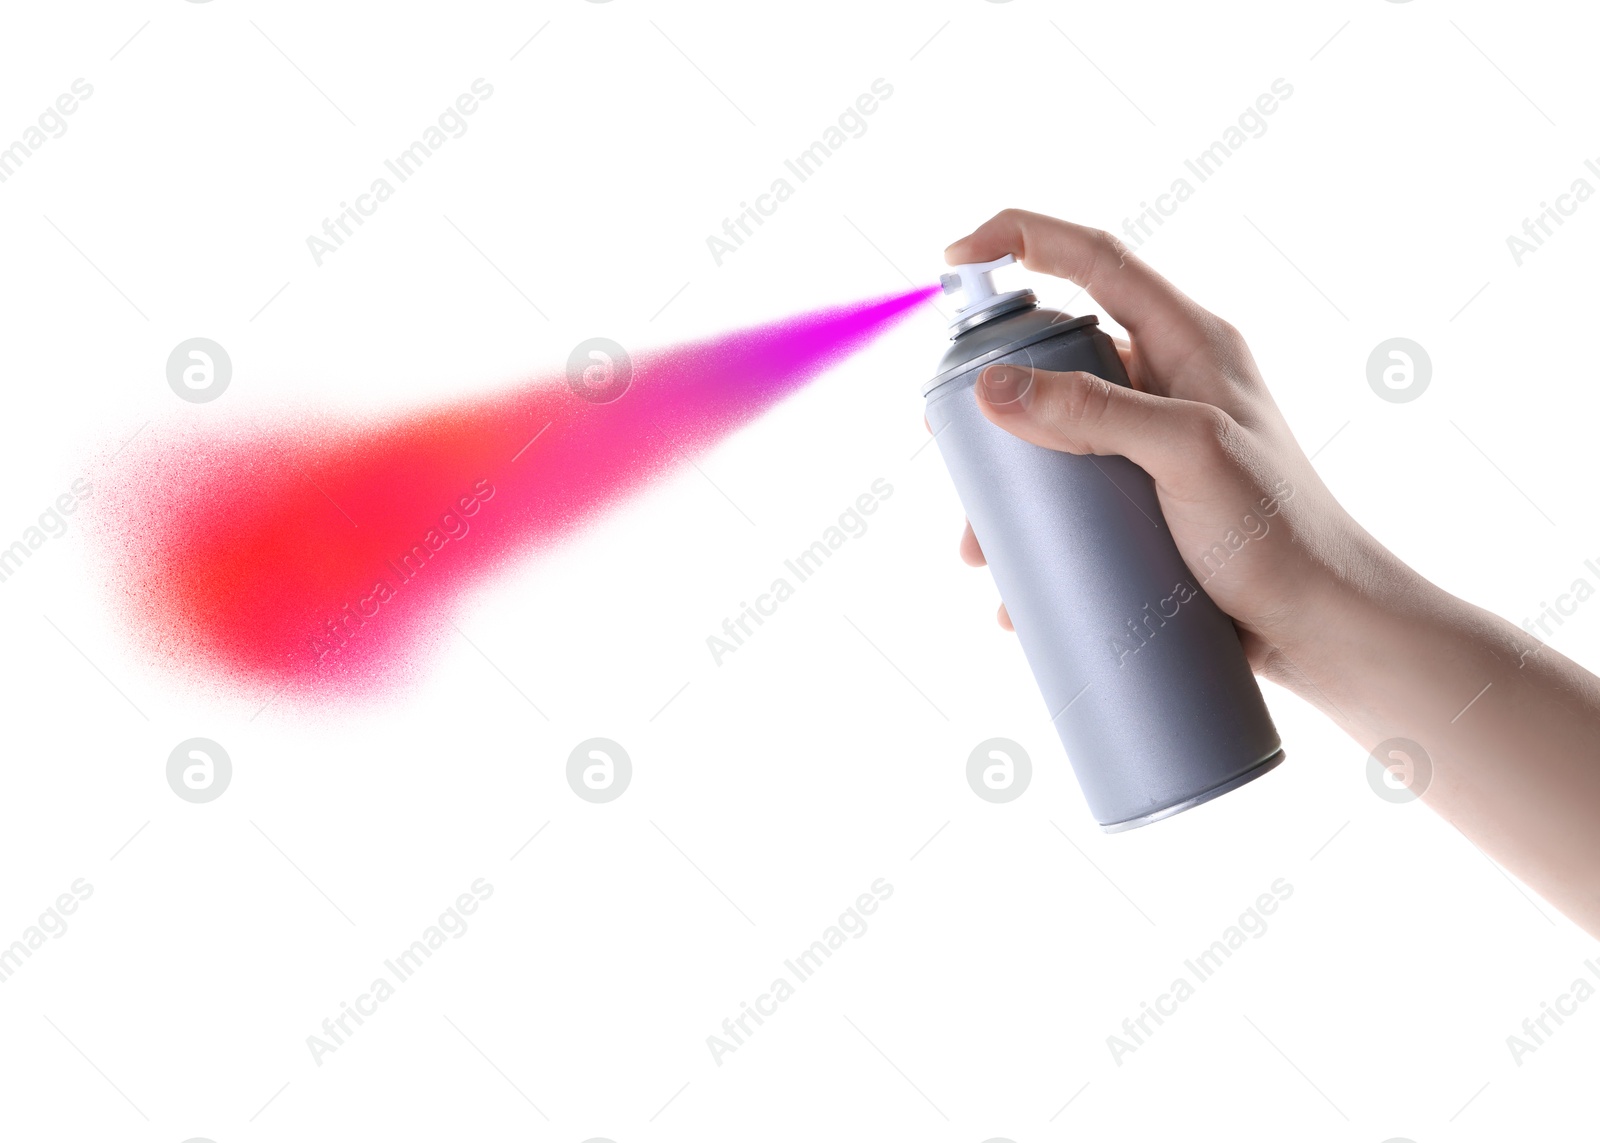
(320, 560)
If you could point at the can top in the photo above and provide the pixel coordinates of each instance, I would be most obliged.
(1009, 333)
(980, 300)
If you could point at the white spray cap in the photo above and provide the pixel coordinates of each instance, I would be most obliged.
(980, 301)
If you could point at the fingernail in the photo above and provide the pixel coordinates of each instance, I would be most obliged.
(1005, 384)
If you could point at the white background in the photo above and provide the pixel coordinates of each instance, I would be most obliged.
(770, 791)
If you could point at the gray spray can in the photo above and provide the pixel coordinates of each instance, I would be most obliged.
(1142, 674)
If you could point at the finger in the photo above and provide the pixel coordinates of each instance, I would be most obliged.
(1130, 365)
(971, 553)
(1004, 617)
(1141, 300)
(1084, 414)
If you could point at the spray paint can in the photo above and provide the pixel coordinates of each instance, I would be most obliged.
(1142, 674)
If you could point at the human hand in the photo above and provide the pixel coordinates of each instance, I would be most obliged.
(1321, 607)
(1253, 522)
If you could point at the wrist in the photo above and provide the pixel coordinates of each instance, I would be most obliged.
(1362, 599)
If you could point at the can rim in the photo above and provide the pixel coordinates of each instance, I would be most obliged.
(997, 307)
(1270, 762)
(1049, 331)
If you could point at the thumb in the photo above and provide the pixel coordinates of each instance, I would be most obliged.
(1084, 414)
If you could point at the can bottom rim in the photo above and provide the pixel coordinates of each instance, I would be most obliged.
(1216, 791)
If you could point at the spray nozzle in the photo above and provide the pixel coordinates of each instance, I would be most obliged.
(980, 301)
(974, 279)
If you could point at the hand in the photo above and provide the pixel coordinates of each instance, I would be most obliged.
(1508, 726)
(1252, 520)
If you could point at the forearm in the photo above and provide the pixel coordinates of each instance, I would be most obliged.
(1511, 727)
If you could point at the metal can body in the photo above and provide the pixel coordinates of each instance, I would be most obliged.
(1142, 674)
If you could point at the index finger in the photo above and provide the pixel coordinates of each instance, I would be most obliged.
(1141, 300)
